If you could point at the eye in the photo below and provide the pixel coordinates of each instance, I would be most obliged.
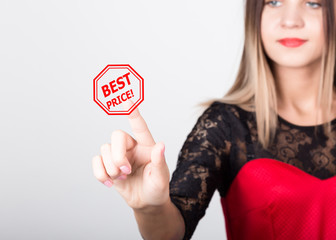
(273, 3)
(314, 4)
(278, 3)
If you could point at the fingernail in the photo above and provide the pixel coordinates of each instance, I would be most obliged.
(125, 170)
(108, 183)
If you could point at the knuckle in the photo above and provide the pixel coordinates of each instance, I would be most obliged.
(118, 133)
(116, 159)
(112, 172)
(97, 171)
(96, 161)
(100, 176)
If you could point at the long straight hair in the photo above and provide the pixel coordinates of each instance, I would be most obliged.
(254, 88)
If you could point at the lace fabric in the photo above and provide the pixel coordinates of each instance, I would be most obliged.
(223, 139)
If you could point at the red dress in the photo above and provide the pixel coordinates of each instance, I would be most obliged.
(284, 192)
(283, 203)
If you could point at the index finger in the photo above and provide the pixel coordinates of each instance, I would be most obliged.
(139, 127)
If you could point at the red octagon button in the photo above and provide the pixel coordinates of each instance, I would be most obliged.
(115, 84)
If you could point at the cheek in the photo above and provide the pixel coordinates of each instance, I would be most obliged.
(267, 27)
(266, 36)
(318, 27)
(264, 33)
(317, 33)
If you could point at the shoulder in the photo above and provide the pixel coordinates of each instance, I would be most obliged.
(219, 122)
(224, 112)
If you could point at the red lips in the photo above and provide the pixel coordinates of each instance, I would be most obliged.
(292, 42)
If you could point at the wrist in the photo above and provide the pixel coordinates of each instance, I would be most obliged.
(153, 209)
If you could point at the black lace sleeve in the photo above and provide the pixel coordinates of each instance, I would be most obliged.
(202, 167)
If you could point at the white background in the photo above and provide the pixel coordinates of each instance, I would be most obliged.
(50, 51)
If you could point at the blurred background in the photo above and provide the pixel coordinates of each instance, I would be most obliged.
(50, 52)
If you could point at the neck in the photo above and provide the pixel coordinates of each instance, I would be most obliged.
(297, 95)
(297, 88)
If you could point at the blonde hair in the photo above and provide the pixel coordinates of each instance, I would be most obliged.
(254, 87)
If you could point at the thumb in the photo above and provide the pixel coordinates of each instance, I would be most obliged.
(157, 156)
(158, 167)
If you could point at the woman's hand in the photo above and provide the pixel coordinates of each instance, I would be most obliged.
(135, 167)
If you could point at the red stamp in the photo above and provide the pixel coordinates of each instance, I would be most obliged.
(116, 84)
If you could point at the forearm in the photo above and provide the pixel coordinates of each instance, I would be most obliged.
(164, 222)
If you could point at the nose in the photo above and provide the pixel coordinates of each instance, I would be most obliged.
(291, 18)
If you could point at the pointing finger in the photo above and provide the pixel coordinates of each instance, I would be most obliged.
(139, 127)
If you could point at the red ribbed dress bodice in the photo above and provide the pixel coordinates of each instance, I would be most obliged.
(270, 199)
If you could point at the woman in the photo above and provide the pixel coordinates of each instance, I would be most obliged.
(266, 146)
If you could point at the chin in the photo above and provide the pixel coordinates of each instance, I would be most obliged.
(292, 61)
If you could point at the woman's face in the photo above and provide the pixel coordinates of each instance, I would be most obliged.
(288, 19)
